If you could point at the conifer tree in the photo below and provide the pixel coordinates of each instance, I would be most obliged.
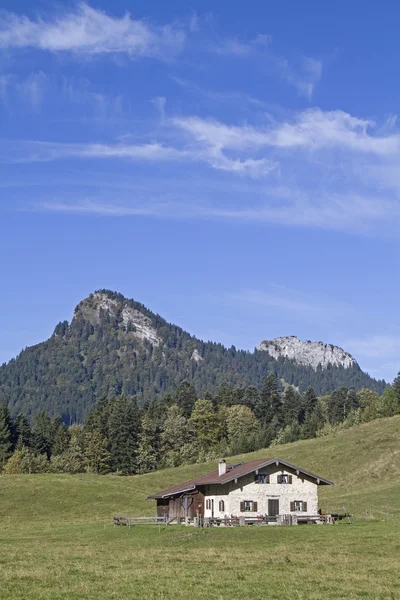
(290, 406)
(123, 433)
(148, 454)
(42, 433)
(309, 402)
(270, 404)
(74, 457)
(186, 396)
(23, 432)
(97, 455)
(6, 434)
(60, 437)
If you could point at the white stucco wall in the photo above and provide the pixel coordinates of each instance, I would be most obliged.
(302, 489)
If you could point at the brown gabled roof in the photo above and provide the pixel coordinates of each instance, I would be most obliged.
(234, 472)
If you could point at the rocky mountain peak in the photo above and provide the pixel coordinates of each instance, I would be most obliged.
(307, 353)
(130, 317)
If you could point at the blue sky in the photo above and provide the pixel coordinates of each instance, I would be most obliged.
(233, 166)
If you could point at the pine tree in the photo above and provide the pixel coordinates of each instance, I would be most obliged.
(6, 434)
(42, 434)
(309, 402)
(123, 433)
(97, 455)
(186, 396)
(23, 432)
(74, 457)
(396, 394)
(148, 454)
(270, 404)
(60, 437)
(290, 406)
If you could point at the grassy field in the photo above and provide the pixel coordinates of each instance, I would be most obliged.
(57, 540)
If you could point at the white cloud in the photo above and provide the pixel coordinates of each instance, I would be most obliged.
(87, 31)
(303, 77)
(236, 47)
(47, 151)
(312, 129)
(312, 170)
(159, 102)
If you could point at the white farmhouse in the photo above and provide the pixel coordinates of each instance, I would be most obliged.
(273, 491)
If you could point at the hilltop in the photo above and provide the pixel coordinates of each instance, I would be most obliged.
(118, 346)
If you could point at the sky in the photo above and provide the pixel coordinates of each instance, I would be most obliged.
(233, 166)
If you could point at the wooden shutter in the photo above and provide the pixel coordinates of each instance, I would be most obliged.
(292, 509)
(279, 478)
(290, 479)
(242, 507)
(267, 479)
(304, 506)
(255, 506)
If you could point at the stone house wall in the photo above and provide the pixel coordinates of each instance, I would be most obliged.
(302, 489)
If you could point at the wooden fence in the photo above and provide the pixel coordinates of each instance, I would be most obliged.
(130, 521)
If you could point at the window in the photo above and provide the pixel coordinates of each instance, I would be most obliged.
(261, 478)
(284, 478)
(208, 504)
(248, 506)
(298, 506)
(221, 506)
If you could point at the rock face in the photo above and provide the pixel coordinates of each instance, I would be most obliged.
(138, 323)
(307, 353)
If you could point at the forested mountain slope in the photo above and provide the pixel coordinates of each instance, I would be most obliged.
(117, 346)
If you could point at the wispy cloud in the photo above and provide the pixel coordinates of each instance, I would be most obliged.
(217, 96)
(304, 76)
(89, 32)
(313, 169)
(236, 47)
(312, 129)
(47, 151)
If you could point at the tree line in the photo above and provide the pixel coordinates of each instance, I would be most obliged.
(179, 428)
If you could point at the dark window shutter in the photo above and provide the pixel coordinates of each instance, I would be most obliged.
(242, 507)
(290, 479)
(267, 479)
(292, 507)
(279, 478)
(304, 506)
(255, 506)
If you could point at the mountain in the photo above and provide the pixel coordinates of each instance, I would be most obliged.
(117, 346)
(310, 354)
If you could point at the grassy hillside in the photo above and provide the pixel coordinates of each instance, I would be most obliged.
(57, 539)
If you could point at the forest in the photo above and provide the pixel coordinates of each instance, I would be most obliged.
(117, 436)
(117, 347)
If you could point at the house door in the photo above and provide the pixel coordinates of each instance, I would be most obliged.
(273, 508)
(212, 508)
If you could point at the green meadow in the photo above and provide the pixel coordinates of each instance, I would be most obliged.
(57, 539)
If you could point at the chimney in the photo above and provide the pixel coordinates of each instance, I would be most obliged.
(221, 467)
